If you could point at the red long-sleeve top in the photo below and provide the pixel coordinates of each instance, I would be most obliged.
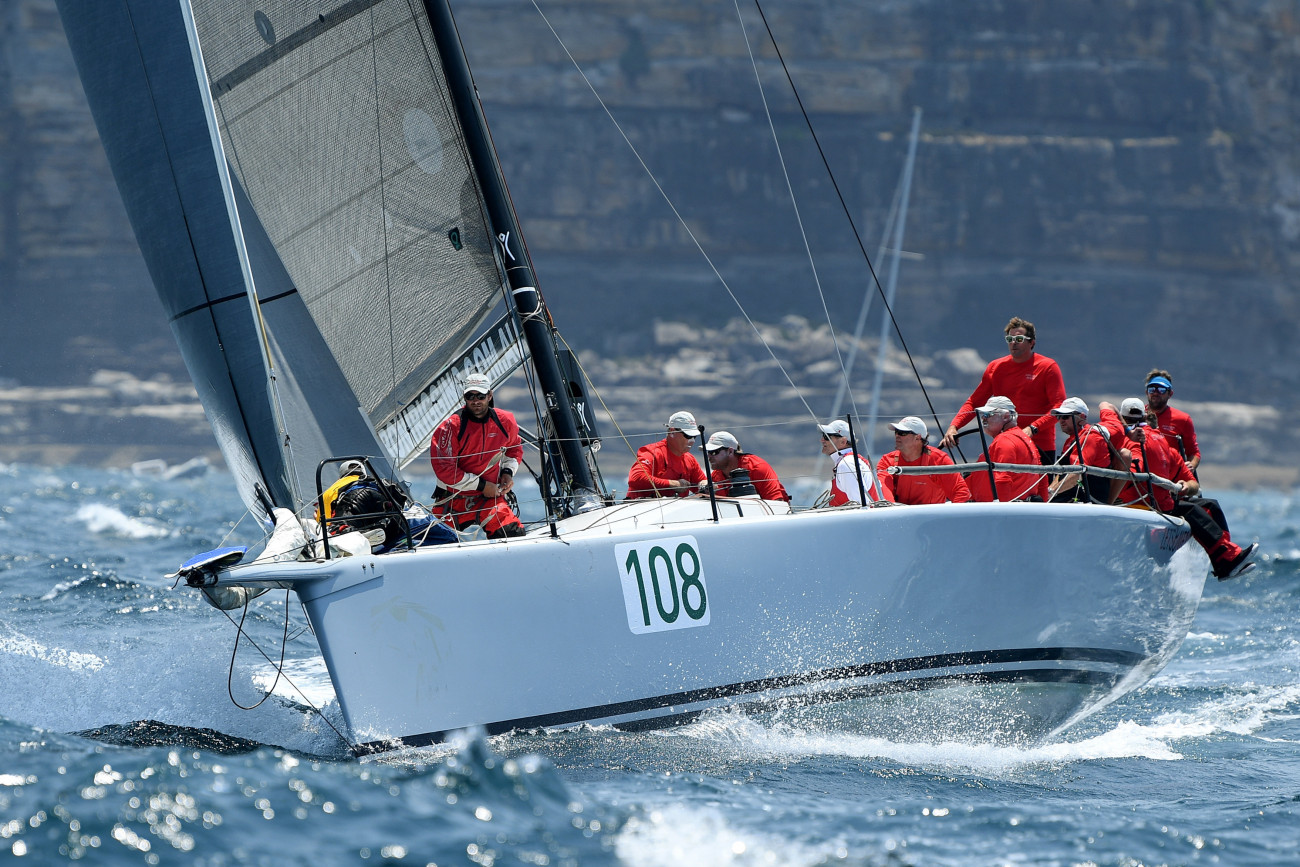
(920, 490)
(1035, 386)
(765, 480)
(1009, 447)
(1176, 423)
(464, 450)
(656, 468)
(1156, 455)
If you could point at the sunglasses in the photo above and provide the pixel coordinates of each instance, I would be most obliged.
(1017, 338)
(681, 434)
(474, 395)
(905, 433)
(1158, 389)
(1136, 426)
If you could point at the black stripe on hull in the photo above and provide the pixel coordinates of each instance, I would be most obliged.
(1083, 676)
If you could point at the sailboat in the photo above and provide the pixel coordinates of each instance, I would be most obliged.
(316, 196)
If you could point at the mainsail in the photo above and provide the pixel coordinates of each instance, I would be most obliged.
(318, 238)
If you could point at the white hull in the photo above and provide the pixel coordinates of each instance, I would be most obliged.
(1040, 613)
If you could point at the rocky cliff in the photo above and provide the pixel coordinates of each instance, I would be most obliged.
(1124, 174)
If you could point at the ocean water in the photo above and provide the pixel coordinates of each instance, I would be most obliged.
(121, 743)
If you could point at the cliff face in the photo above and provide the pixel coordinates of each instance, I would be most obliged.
(1122, 173)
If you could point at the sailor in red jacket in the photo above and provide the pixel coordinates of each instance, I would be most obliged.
(725, 457)
(1175, 424)
(474, 454)
(1032, 382)
(1009, 445)
(1152, 453)
(912, 451)
(667, 468)
(1090, 445)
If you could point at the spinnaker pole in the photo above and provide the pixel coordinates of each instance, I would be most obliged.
(522, 283)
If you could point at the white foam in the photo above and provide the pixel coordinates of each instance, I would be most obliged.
(18, 644)
(1127, 740)
(99, 518)
(675, 834)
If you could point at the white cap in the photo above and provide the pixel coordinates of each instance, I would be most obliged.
(1070, 406)
(477, 382)
(352, 468)
(998, 403)
(721, 440)
(912, 424)
(1133, 407)
(684, 422)
(837, 428)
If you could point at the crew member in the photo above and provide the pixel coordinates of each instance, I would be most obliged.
(1097, 445)
(667, 468)
(726, 456)
(1175, 424)
(1032, 382)
(1152, 453)
(913, 451)
(365, 504)
(850, 477)
(1008, 444)
(474, 454)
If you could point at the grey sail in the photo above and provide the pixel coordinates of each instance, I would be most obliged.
(317, 239)
(336, 123)
(139, 76)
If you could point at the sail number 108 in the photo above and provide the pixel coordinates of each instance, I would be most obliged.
(663, 584)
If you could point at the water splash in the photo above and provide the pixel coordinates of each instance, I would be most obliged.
(99, 518)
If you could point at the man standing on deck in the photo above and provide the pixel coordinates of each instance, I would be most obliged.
(1008, 444)
(1032, 382)
(1175, 424)
(726, 456)
(475, 453)
(849, 478)
(667, 468)
(913, 451)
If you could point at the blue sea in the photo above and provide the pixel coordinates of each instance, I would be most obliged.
(120, 742)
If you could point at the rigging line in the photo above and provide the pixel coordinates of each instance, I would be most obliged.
(239, 627)
(668, 201)
(383, 218)
(849, 216)
(794, 202)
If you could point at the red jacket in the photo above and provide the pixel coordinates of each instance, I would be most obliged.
(765, 481)
(919, 490)
(1010, 447)
(1095, 451)
(655, 469)
(1036, 387)
(464, 450)
(1157, 455)
(1176, 423)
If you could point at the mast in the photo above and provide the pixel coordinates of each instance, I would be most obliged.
(519, 272)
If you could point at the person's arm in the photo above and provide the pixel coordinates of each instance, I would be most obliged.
(446, 463)
(977, 398)
(887, 481)
(1189, 444)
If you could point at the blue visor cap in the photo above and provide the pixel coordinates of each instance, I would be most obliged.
(1160, 380)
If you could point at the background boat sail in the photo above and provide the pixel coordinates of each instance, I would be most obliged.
(317, 199)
